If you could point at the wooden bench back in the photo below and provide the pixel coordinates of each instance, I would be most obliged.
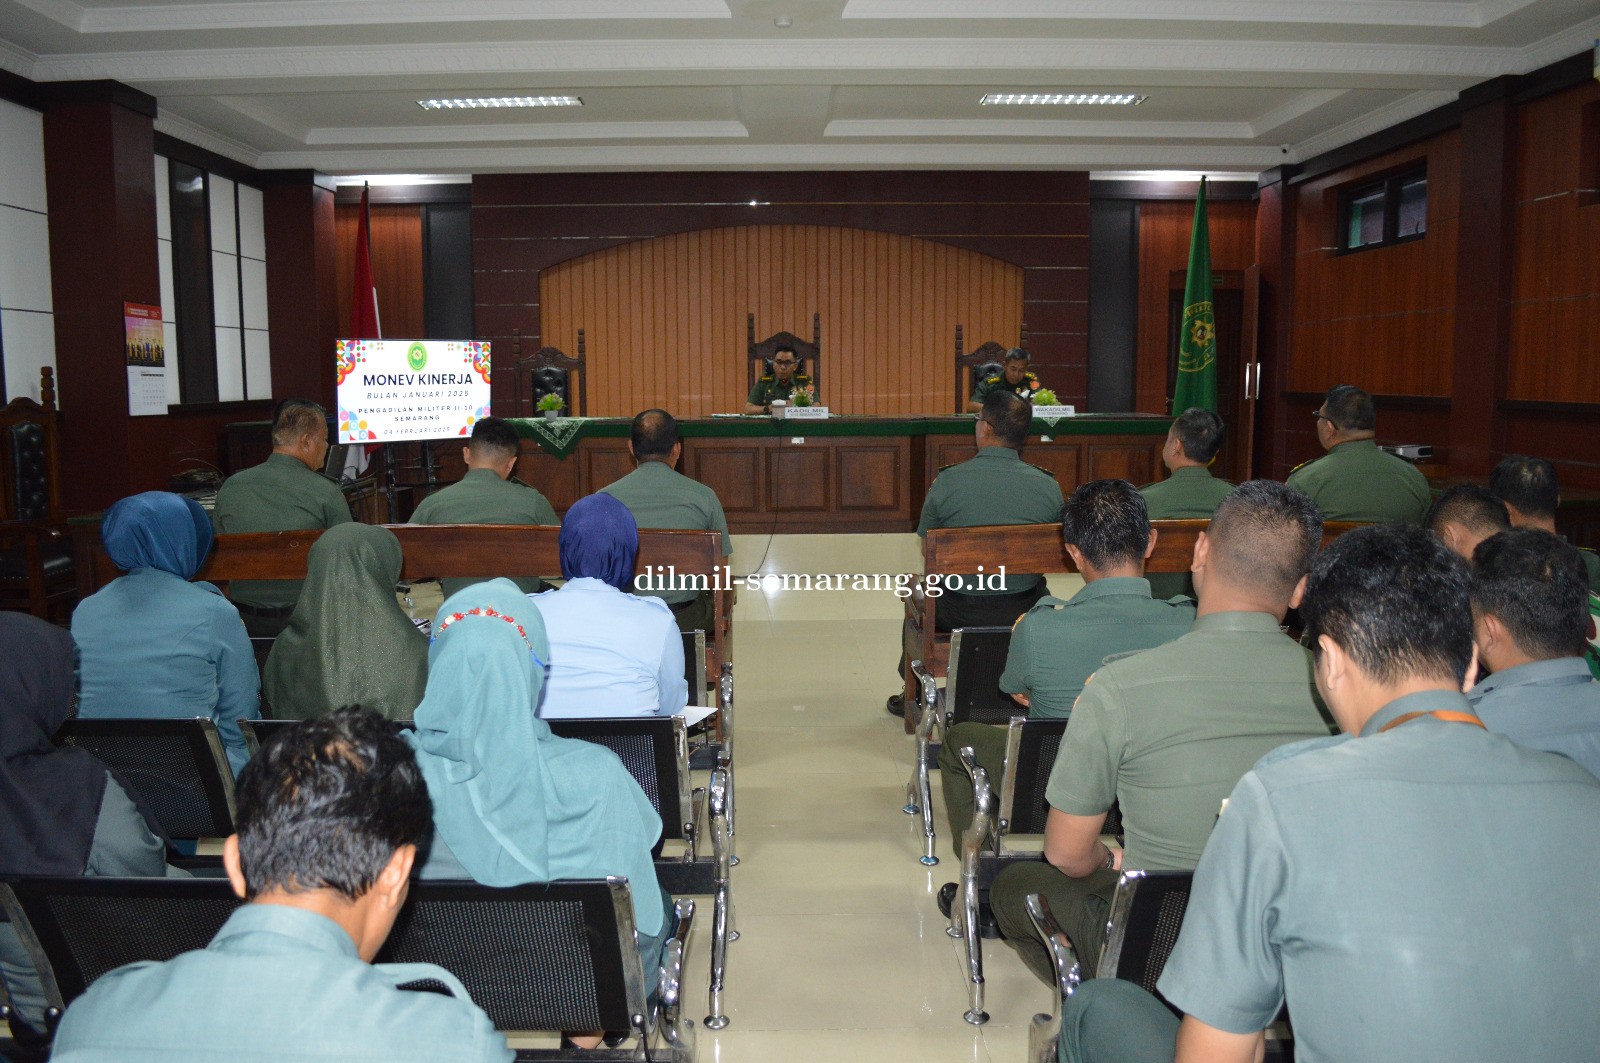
(1037, 547)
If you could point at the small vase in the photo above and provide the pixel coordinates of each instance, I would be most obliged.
(551, 415)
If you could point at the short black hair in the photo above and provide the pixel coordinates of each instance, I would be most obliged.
(325, 804)
(1535, 583)
(1010, 415)
(655, 433)
(1470, 506)
(780, 348)
(495, 434)
(1017, 354)
(1200, 433)
(1108, 521)
(1527, 483)
(1265, 533)
(294, 418)
(1349, 408)
(1396, 600)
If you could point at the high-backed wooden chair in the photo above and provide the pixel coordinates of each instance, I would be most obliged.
(759, 355)
(36, 571)
(549, 370)
(984, 361)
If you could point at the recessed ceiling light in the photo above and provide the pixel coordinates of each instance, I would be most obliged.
(462, 103)
(783, 22)
(1125, 98)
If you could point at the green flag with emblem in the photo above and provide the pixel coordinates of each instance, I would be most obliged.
(1197, 338)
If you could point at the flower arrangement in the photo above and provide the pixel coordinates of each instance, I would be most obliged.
(803, 396)
(1044, 397)
(551, 404)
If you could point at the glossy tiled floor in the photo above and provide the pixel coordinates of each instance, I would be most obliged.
(843, 954)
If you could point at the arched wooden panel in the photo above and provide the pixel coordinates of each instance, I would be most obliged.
(664, 318)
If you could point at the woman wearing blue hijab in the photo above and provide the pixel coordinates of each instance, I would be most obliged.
(512, 803)
(154, 645)
(612, 653)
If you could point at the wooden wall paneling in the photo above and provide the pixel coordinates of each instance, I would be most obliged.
(1136, 464)
(1065, 459)
(605, 461)
(397, 268)
(559, 481)
(876, 321)
(1164, 236)
(1555, 284)
(301, 280)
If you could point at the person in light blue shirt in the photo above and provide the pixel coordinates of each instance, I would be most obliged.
(153, 644)
(331, 814)
(1530, 616)
(612, 653)
(512, 802)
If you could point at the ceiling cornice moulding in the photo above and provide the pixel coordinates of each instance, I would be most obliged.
(323, 13)
(1462, 14)
(566, 57)
(791, 156)
(201, 137)
(1401, 110)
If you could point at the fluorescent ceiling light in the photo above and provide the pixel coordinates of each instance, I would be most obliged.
(462, 103)
(1062, 97)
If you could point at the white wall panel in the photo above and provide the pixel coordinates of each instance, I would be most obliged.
(24, 259)
(30, 340)
(220, 192)
(255, 293)
(258, 363)
(22, 157)
(225, 290)
(169, 333)
(230, 370)
(163, 199)
(169, 301)
(252, 223)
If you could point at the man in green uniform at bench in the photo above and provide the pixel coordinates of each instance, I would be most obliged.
(1189, 492)
(1166, 733)
(777, 384)
(1355, 480)
(994, 487)
(659, 496)
(287, 492)
(489, 494)
(1014, 377)
(1531, 493)
(1058, 644)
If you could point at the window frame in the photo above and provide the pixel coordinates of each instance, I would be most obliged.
(1390, 185)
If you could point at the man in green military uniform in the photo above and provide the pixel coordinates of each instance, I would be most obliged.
(488, 494)
(331, 815)
(1399, 943)
(1464, 516)
(994, 487)
(659, 496)
(1166, 733)
(1014, 377)
(287, 492)
(777, 384)
(1189, 492)
(1531, 493)
(1355, 480)
(1058, 644)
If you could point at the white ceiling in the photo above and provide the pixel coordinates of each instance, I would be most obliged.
(1234, 85)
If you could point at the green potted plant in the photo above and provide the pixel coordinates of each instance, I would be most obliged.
(551, 406)
(803, 396)
(1044, 397)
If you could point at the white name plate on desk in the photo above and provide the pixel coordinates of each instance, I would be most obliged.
(1051, 413)
(802, 413)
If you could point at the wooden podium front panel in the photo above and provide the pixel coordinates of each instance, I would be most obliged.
(1135, 463)
(798, 477)
(605, 461)
(733, 469)
(873, 477)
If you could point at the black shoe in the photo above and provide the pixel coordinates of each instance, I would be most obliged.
(987, 926)
(896, 705)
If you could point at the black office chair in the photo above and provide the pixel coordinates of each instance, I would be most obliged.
(177, 767)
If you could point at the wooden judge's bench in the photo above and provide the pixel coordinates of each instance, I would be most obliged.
(843, 474)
